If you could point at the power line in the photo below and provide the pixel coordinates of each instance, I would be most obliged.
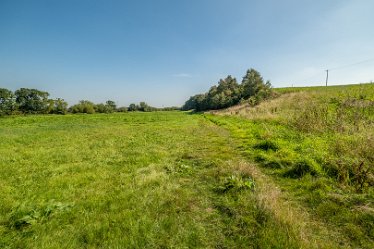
(335, 68)
(345, 66)
(350, 65)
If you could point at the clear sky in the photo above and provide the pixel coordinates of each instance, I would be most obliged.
(163, 51)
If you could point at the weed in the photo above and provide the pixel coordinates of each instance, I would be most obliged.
(236, 183)
(266, 145)
(360, 177)
(24, 216)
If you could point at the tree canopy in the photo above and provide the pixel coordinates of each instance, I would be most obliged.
(33, 101)
(228, 93)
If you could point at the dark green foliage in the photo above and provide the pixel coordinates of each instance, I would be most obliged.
(196, 103)
(84, 106)
(111, 105)
(228, 93)
(122, 109)
(142, 107)
(253, 86)
(59, 106)
(7, 102)
(133, 107)
(101, 108)
(31, 100)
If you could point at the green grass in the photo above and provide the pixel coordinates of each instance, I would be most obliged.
(133, 180)
(293, 172)
(317, 144)
(329, 89)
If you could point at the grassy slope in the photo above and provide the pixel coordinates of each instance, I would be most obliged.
(135, 180)
(318, 145)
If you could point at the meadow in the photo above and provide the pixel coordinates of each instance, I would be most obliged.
(133, 180)
(293, 172)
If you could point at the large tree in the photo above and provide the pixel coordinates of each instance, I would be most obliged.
(253, 84)
(31, 100)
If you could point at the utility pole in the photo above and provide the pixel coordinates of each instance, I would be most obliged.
(327, 76)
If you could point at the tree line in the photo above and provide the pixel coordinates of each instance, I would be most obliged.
(229, 92)
(33, 101)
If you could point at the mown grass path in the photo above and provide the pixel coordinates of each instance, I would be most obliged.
(134, 180)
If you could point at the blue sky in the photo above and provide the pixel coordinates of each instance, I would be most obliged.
(164, 51)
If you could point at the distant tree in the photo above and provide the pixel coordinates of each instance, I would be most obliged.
(102, 108)
(122, 109)
(7, 102)
(190, 104)
(111, 105)
(133, 107)
(200, 102)
(50, 106)
(170, 108)
(228, 93)
(60, 106)
(31, 100)
(144, 107)
(196, 102)
(253, 86)
(84, 106)
(57, 106)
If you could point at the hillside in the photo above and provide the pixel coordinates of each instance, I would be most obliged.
(318, 145)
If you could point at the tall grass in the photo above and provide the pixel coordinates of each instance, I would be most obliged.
(319, 144)
(342, 116)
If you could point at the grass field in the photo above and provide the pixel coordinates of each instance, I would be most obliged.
(135, 180)
(243, 178)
